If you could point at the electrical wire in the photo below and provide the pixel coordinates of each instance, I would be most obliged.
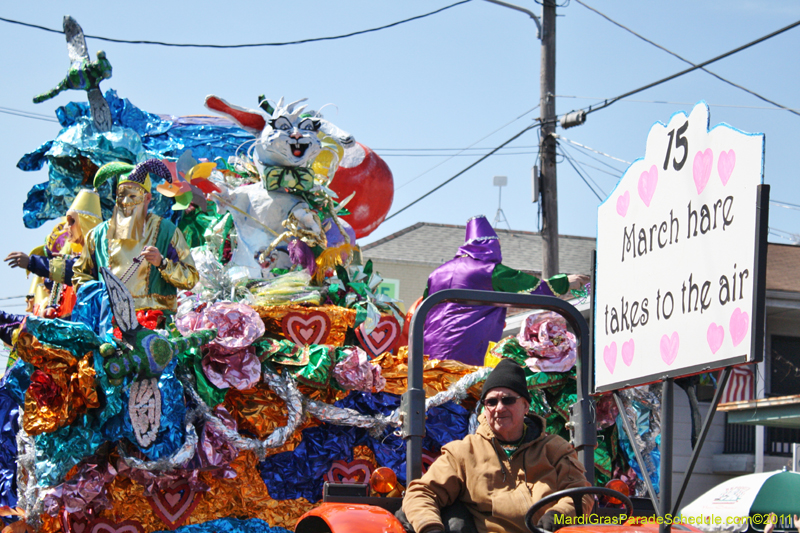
(454, 155)
(571, 162)
(771, 108)
(609, 101)
(794, 237)
(579, 145)
(645, 39)
(617, 173)
(785, 205)
(468, 147)
(439, 149)
(256, 45)
(26, 114)
(512, 139)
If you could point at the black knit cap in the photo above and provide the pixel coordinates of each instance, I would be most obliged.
(510, 375)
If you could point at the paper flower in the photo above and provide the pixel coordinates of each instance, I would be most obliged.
(550, 346)
(238, 325)
(355, 371)
(240, 369)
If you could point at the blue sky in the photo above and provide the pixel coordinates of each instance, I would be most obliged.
(465, 77)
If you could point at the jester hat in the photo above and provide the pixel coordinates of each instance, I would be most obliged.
(127, 173)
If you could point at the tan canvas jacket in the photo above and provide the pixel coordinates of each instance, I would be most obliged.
(498, 490)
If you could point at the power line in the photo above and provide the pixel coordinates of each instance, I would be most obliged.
(218, 46)
(26, 114)
(591, 149)
(771, 108)
(438, 149)
(785, 205)
(467, 148)
(608, 102)
(569, 160)
(534, 125)
(645, 39)
(529, 152)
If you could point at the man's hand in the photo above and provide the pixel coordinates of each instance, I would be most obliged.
(548, 521)
(152, 255)
(576, 281)
(17, 260)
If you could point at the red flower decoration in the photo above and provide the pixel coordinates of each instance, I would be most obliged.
(45, 391)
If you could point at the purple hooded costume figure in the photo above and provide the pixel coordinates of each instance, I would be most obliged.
(455, 331)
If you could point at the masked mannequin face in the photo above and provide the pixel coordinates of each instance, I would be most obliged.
(75, 234)
(129, 196)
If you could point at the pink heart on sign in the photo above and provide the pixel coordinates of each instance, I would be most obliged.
(669, 347)
(610, 356)
(715, 336)
(701, 169)
(627, 352)
(623, 202)
(740, 322)
(727, 160)
(647, 185)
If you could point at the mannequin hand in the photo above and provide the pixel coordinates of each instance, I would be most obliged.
(152, 255)
(17, 260)
(576, 281)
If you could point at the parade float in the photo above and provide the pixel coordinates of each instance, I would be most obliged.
(280, 370)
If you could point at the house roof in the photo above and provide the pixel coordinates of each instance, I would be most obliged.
(783, 266)
(434, 244)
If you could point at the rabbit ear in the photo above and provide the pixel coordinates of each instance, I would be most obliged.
(251, 120)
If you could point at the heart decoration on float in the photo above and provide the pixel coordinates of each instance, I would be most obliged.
(306, 329)
(382, 339)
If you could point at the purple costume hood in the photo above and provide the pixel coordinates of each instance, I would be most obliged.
(481, 241)
(454, 331)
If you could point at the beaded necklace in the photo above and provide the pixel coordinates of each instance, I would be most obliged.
(512, 447)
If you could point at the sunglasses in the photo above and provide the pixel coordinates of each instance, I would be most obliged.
(505, 400)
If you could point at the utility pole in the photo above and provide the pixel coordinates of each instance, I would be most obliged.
(547, 147)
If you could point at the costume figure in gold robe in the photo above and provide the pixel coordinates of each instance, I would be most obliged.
(148, 253)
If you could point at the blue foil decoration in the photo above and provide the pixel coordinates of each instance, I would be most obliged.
(9, 427)
(229, 525)
(172, 431)
(17, 380)
(93, 309)
(135, 135)
(77, 338)
(299, 473)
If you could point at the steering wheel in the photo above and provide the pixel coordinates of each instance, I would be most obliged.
(576, 494)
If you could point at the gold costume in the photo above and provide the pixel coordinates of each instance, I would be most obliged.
(121, 253)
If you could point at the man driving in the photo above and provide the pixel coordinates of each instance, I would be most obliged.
(498, 473)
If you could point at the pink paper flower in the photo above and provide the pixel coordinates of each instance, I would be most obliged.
(550, 346)
(240, 369)
(238, 325)
(355, 371)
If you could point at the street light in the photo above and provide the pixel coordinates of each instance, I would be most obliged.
(531, 14)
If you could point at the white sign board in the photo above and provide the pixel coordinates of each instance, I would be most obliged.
(675, 255)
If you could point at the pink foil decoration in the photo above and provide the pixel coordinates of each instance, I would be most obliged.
(356, 372)
(607, 411)
(240, 369)
(550, 346)
(238, 325)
